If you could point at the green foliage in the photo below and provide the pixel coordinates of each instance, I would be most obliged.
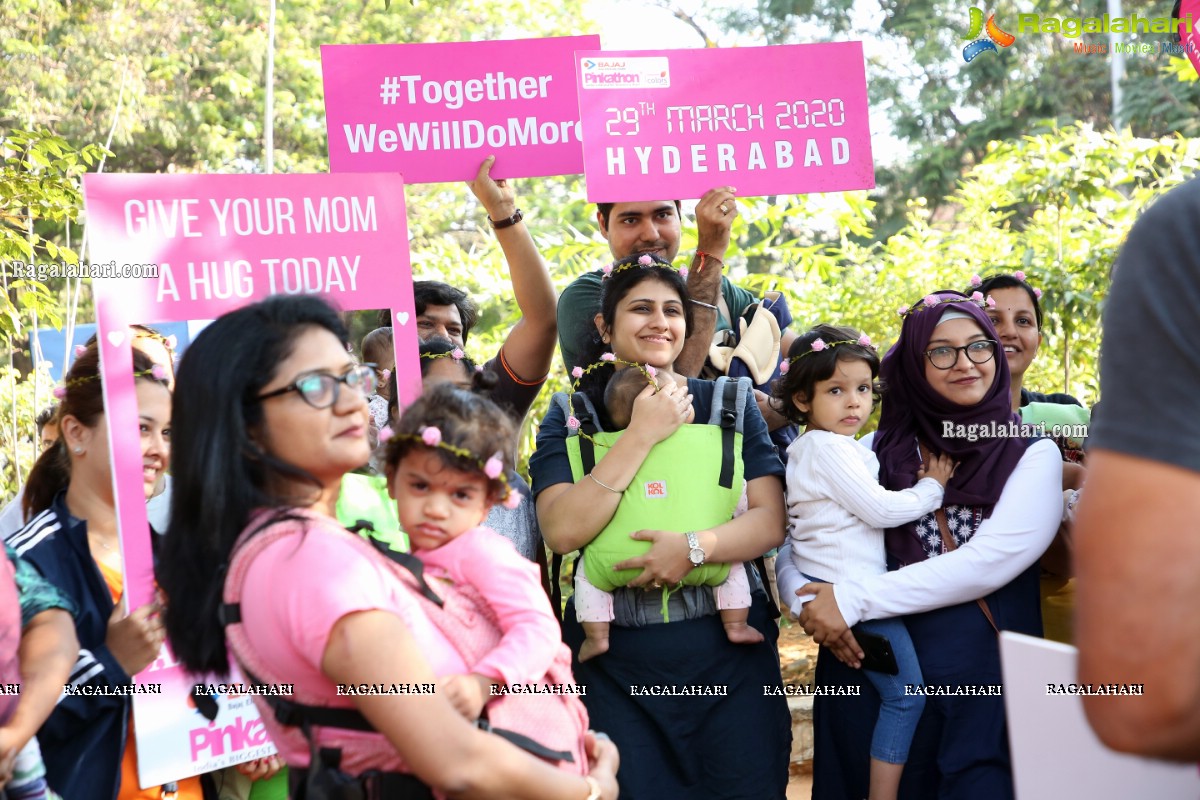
(38, 190)
(20, 402)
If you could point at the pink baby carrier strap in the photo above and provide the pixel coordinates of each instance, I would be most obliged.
(256, 538)
(548, 710)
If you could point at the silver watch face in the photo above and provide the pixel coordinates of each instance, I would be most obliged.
(696, 556)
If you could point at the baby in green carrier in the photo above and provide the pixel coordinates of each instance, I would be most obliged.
(594, 606)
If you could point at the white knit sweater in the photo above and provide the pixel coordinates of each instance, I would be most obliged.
(837, 510)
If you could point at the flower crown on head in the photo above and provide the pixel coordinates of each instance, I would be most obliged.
(642, 261)
(457, 354)
(931, 300)
(157, 372)
(493, 467)
(977, 281)
(819, 345)
(606, 359)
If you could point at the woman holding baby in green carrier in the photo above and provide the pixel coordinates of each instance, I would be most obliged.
(686, 683)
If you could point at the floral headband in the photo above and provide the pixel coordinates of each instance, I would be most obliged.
(819, 345)
(644, 260)
(457, 354)
(1019, 275)
(931, 300)
(431, 436)
(578, 373)
(158, 372)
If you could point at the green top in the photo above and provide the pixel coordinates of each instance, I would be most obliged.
(36, 594)
(580, 301)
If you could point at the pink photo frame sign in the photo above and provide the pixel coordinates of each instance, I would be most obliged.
(435, 111)
(671, 124)
(221, 242)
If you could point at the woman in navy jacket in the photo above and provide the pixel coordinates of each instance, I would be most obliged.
(72, 539)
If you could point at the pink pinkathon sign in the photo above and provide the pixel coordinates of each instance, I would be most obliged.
(434, 111)
(789, 119)
(219, 242)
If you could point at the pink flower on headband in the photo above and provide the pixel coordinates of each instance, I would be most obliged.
(977, 297)
(158, 372)
(431, 436)
(79, 350)
(172, 341)
(457, 354)
(479, 367)
(385, 433)
(645, 259)
(819, 344)
(784, 366)
(976, 280)
(991, 301)
(902, 310)
(493, 467)
(60, 392)
(577, 372)
(1037, 293)
(930, 300)
(512, 499)
(572, 422)
(1019, 275)
(683, 272)
(651, 371)
(607, 270)
(864, 340)
(607, 357)
(385, 374)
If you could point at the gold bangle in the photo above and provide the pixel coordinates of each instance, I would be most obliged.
(593, 788)
(604, 485)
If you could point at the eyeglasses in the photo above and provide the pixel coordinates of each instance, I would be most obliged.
(320, 389)
(979, 352)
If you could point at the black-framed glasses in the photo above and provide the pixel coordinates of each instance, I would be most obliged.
(979, 352)
(320, 389)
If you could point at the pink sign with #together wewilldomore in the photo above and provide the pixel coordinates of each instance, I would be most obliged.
(220, 242)
(434, 111)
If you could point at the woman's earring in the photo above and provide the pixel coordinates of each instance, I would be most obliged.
(78, 450)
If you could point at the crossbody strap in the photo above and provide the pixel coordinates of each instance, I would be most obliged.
(948, 543)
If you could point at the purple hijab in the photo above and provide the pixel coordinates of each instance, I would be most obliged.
(913, 411)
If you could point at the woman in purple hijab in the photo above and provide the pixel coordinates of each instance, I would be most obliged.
(957, 576)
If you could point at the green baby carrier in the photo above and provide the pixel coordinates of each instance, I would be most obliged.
(690, 481)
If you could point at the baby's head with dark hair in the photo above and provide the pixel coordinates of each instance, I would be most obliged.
(807, 367)
(622, 389)
(471, 429)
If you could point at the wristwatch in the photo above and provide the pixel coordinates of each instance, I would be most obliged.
(695, 552)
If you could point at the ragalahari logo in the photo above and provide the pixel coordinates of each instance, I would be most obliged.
(993, 35)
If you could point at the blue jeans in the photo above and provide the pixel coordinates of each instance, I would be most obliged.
(898, 712)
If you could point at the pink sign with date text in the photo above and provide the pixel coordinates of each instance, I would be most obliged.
(217, 243)
(788, 119)
(434, 111)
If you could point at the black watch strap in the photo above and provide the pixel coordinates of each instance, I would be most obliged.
(507, 222)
